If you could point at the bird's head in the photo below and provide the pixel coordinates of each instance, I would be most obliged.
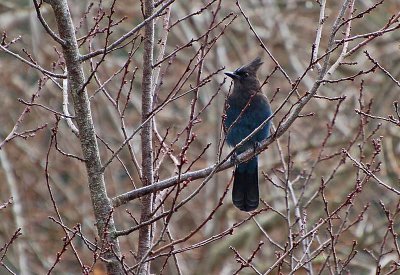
(246, 76)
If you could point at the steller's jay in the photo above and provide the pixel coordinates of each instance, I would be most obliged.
(246, 108)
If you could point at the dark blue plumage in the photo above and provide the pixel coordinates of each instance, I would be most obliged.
(246, 109)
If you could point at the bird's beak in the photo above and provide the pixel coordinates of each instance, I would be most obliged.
(232, 75)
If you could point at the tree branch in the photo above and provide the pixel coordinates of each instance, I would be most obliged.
(76, 79)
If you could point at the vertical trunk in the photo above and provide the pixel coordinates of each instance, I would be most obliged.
(76, 79)
(145, 233)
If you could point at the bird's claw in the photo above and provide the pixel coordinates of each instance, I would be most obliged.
(256, 146)
(234, 157)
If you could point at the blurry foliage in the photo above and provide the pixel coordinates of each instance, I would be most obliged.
(288, 29)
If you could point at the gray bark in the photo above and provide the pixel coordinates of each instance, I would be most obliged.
(145, 232)
(76, 79)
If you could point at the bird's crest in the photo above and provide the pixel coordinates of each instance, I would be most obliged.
(252, 67)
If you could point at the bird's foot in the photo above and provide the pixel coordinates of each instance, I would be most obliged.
(256, 146)
(234, 157)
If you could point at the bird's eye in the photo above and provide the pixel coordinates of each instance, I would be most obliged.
(243, 74)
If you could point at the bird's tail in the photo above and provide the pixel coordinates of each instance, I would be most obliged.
(245, 194)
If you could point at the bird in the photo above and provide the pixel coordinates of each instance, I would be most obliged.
(246, 108)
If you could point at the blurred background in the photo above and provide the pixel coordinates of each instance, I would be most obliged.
(304, 176)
